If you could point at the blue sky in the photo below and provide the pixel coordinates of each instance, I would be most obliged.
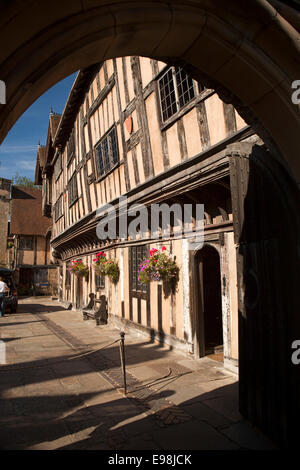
(18, 150)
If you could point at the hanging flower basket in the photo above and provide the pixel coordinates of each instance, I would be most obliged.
(158, 267)
(106, 267)
(99, 263)
(79, 269)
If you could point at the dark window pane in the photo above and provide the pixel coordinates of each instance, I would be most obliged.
(167, 95)
(99, 160)
(107, 153)
(26, 243)
(58, 166)
(72, 189)
(114, 146)
(71, 147)
(185, 87)
(58, 208)
(138, 254)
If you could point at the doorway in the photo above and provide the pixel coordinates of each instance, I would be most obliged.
(25, 281)
(208, 286)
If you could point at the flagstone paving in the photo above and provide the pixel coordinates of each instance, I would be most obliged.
(62, 388)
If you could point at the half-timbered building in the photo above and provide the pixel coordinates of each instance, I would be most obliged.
(139, 128)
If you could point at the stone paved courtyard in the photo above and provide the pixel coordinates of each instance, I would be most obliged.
(62, 388)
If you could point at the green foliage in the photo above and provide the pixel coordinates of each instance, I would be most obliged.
(24, 181)
(79, 269)
(112, 270)
(22, 291)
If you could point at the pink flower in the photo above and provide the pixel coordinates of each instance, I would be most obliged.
(163, 248)
(95, 259)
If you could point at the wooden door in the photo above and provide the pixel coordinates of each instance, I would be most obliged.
(266, 208)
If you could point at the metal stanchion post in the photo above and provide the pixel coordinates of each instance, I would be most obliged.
(122, 355)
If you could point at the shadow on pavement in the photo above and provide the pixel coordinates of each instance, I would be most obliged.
(36, 307)
(69, 422)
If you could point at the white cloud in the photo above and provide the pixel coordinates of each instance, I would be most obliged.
(17, 149)
(26, 164)
(10, 167)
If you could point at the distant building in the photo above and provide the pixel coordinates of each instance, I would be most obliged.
(29, 242)
(5, 187)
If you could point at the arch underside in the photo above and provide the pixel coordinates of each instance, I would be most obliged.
(229, 49)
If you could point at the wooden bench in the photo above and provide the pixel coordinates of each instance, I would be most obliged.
(96, 309)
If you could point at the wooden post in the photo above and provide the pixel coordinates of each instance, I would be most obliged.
(122, 356)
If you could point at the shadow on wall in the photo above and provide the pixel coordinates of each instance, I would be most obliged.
(18, 193)
(158, 336)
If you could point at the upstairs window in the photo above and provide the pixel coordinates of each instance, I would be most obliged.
(58, 208)
(107, 153)
(72, 189)
(58, 167)
(176, 89)
(71, 147)
(26, 243)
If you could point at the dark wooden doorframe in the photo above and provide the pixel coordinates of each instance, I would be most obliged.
(266, 220)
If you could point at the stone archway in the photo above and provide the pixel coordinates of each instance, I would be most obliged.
(232, 48)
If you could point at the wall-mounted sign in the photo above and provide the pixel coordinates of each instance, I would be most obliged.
(129, 124)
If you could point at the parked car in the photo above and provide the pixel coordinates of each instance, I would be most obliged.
(11, 297)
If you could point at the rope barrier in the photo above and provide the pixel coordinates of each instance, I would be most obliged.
(10, 368)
